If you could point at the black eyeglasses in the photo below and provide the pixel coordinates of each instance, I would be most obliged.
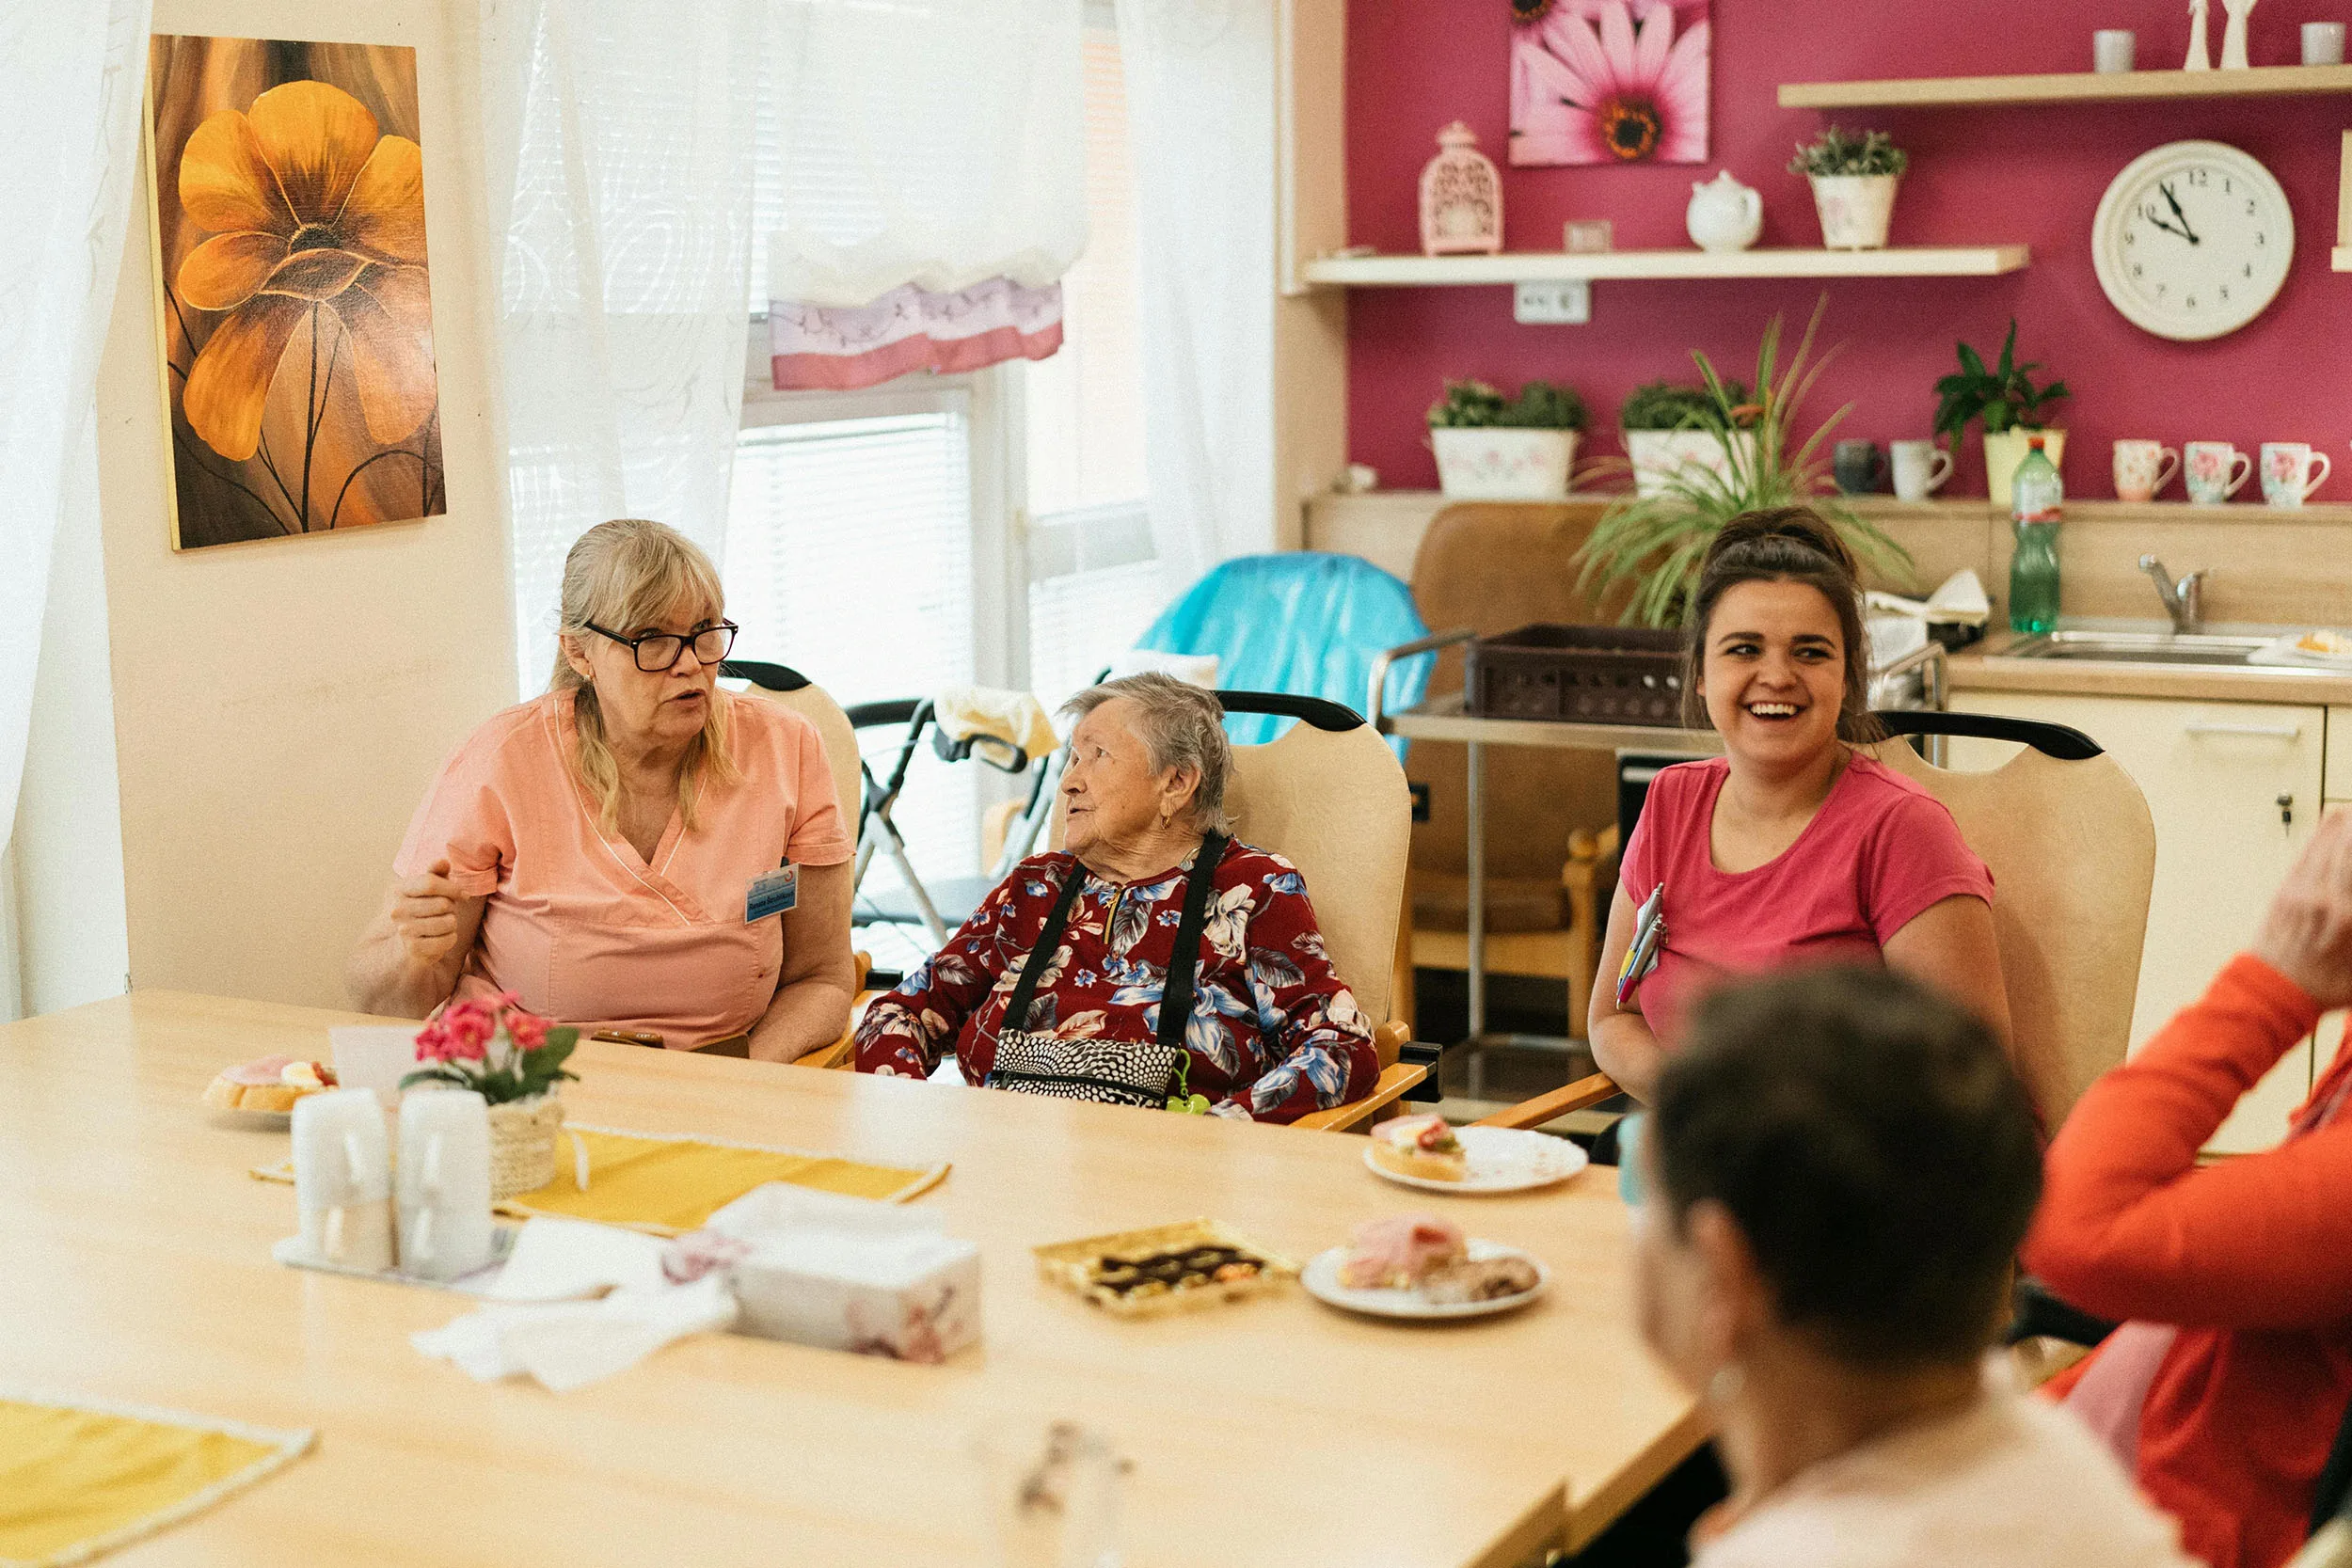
(658, 652)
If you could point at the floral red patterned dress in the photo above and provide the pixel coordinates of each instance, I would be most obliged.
(1273, 1034)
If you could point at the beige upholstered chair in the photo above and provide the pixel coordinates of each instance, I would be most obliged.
(786, 687)
(2072, 852)
(1332, 801)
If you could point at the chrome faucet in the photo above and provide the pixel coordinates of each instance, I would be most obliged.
(2183, 600)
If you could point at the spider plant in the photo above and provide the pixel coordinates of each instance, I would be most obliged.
(1655, 544)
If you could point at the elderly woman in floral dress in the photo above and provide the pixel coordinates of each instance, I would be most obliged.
(1055, 984)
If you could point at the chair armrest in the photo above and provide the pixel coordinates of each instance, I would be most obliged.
(1392, 1083)
(1589, 1090)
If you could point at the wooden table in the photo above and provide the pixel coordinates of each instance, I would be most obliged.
(134, 1266)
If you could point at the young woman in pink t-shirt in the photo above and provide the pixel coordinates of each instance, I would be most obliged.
(1793, 847)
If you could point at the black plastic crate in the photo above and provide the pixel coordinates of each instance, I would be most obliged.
(1587, 674)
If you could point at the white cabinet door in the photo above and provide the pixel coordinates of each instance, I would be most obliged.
(2215, 774)
(2338, 784)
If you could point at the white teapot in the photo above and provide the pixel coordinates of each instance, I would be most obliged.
(1723, 214)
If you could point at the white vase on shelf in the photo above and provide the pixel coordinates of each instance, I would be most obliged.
(2233, 36)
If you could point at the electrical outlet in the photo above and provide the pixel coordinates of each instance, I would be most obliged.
(1566, 303)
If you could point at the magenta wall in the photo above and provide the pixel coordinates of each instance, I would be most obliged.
(1978, 176)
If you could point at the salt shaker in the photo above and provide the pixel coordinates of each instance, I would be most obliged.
(343, 1178)
(444, 1183)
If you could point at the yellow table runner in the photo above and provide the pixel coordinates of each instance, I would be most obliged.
(666, 1184)
(82, 1477)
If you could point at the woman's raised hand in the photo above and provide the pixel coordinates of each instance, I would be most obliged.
(2307, 934)
(423, 912)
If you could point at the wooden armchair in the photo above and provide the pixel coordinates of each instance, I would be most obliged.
(1492, 567)
(2072, 852)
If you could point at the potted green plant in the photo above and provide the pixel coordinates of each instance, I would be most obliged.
(1853, 185)
(2008, 403)
(1664, 426)
(1653, 543)
(1493, 448)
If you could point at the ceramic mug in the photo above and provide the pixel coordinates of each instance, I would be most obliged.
(2211, 471)
(2286, 469)
(1920, 468)
(1860, 467)
(2142, 469)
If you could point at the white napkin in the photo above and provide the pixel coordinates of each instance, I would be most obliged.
(1958, 600)
(571, 1344)
(566, 1342)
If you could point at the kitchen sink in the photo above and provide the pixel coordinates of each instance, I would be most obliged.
(2113, 647)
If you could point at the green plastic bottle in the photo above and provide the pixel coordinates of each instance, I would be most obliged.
(2036, 497)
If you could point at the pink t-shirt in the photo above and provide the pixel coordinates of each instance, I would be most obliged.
(1880, 851)
(581, 926)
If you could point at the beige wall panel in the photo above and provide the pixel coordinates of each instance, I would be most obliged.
(280, 707)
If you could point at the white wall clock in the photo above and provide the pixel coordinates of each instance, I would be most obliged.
(2192, 239)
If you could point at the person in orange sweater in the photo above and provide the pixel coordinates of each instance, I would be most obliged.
(2225, 1386)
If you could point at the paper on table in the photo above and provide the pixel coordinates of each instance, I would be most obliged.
(1958, 600)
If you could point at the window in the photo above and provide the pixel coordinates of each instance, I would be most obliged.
(849, 556)
(868, 543)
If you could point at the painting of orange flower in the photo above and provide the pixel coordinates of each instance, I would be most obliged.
(293, 291)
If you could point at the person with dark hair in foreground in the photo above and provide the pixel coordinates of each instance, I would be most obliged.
(1837, 1170)
(2225, 1393)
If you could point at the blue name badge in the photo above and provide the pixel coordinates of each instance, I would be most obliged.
(773, 893)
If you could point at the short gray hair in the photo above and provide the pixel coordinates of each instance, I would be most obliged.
(1180, 725)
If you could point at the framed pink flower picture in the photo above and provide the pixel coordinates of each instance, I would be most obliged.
(1609, 81)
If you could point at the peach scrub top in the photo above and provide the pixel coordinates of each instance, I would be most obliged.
(583, 928)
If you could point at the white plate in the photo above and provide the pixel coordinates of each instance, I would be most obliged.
(1498, 1160)
(267, 1121)
(1322, 1279)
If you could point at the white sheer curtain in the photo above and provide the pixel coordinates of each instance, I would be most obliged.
(618, 140)
(1201, 93)
(71, 122)
(933, 189)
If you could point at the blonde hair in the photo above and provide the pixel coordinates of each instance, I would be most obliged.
(625, 574)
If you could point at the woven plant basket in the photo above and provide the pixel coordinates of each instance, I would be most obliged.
(522, 1145)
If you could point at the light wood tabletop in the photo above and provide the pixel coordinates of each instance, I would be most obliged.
(134, 1266)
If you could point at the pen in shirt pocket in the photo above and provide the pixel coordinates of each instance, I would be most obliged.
(1649, 939)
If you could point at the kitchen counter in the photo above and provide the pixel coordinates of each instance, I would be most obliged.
(1985, 667)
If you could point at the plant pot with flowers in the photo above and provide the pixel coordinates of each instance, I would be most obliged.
(1494, 447)
(2009, 402)
(513, 1060)
(1853, 185)
(1666, 428)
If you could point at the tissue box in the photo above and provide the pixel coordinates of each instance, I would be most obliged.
(850, 1273)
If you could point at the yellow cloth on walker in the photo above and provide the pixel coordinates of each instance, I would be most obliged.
(990, 713)
(79, 1478)
(666, 1184)
(648, 1182)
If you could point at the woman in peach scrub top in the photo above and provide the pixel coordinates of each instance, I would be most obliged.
(593, 849)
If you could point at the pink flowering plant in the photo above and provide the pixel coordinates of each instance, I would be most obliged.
(493, 1048)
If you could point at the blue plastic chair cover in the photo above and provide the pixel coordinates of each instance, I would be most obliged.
(1299, 622)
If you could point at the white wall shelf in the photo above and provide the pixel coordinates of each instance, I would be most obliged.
(1983, 261)
(2082, 87)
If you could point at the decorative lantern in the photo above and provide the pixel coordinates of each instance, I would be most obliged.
(1461, 197)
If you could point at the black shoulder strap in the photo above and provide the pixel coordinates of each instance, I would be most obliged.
(1016, 1014)
(1176, 995)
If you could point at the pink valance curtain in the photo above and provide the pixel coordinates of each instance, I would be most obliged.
(932, 186)
(817, 347)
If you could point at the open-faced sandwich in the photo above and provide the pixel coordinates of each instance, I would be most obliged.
(271, 1083)
(2327, 644)
(1425, 1253)
(1420, 1146)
